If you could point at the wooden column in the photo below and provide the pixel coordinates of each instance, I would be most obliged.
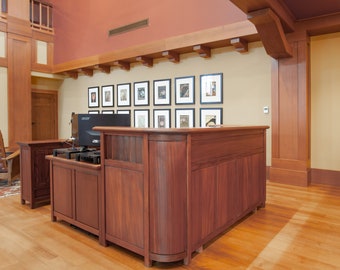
(291, 115)
(19, 72)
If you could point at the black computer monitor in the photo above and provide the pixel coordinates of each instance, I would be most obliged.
(82, 125)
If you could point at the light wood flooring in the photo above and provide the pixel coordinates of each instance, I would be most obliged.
(298, 229)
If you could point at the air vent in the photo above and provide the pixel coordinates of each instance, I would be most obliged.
(129, 27)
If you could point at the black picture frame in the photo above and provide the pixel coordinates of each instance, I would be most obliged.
(185, 90)
(107, 96)
(161, 118)
(210, 117)
(162, 92)
(124, 95)
(185, 118)
(93, 96)
(141, 93)
(141, 118)
(211, 88)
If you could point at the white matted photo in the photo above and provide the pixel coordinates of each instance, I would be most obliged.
(185, 90)
(185, 118)
(161, 118)
(211, 88)
(107, 96)
(211, 117)
(141, 118)
(93, 97)
(161, 92)
(141, 96)
(123, 94)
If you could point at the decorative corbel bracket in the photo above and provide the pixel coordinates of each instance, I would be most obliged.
(203, 51)
(172, 56)
(87, 71)
(104, 68)
(239, 44)
(146, 61)
(123, 65)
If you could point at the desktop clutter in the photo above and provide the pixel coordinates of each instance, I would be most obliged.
(85, 142)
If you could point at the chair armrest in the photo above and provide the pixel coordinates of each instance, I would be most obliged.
(13, 155)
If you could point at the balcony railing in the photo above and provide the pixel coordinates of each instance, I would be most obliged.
(41, 15)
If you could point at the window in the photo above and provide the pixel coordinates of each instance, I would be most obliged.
(41, 15)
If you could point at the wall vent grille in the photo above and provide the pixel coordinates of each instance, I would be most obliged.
(129, 27)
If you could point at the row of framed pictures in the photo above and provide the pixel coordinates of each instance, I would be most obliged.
(184, 118)
(210, 92)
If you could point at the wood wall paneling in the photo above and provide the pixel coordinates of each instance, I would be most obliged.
(19, 89)
(291, 116)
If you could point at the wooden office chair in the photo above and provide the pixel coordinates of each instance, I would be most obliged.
(9, 163)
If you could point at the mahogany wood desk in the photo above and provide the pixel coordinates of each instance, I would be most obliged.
(167, 192)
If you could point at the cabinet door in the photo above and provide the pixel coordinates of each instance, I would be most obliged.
(86, 198)
(62, 190)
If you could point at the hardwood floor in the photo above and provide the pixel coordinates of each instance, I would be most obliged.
(298, 229)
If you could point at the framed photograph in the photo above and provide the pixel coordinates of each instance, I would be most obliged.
(141, 90)
(141, 118)
(107, 112)
(123, 94)
(162, 95)
(93, 112)
(123, 112)
(185, 90)
(211, 117)
(161, 118)
(185, 118)
(211, 88)
(93, 97)
(107, 96)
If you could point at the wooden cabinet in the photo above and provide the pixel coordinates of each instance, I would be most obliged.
(168, 192)
(75, 193)
(34, 171)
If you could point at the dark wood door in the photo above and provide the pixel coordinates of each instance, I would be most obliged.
(44, 115)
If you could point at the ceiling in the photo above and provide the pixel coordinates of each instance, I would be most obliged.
(307, 9)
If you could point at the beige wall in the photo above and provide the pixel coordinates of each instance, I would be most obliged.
(325, 87)
(246, 87)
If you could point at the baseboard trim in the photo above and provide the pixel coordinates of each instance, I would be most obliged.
(325, 177)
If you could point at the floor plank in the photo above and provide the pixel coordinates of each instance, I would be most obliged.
(298, 229)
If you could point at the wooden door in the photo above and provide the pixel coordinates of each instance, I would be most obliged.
(44, 115)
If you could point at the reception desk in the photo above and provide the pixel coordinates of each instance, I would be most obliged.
(167, 192)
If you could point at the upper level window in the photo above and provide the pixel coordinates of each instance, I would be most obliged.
(41, 15)
(3, 8)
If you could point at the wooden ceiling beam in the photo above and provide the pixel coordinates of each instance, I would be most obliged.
(286, 17)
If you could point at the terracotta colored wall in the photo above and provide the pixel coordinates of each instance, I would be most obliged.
(81, 26)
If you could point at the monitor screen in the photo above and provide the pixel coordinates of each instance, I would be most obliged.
(82, 125)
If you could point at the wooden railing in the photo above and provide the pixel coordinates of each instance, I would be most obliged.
(41, 15)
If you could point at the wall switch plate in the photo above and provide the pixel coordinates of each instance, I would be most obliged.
(265, 109)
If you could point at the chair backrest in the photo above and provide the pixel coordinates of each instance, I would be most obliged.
(3, 162)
